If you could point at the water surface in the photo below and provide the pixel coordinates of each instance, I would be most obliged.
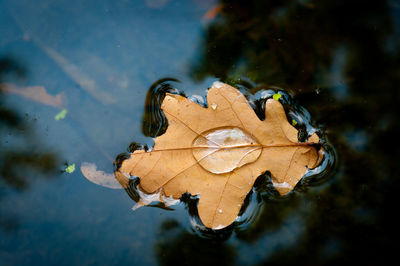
(338, 62)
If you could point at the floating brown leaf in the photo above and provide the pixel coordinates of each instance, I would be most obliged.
(218, 152)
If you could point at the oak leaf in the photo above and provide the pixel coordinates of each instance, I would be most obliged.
(219, 151)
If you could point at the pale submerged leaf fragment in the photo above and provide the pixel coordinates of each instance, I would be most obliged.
(89, 170)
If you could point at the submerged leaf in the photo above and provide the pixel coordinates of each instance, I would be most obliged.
(218, 152)
(35, 93)
(89, 170)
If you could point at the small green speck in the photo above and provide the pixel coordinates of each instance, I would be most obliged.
(61, 115)
(277, 96)
(70, 168)
(294, 122)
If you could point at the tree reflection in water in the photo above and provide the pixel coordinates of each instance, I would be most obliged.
(177, 246)
(23, 160)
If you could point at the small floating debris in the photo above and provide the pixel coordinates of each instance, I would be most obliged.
(70, 168)
(61, 114)
(277, 96)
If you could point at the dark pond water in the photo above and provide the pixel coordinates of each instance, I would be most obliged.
(339, 60)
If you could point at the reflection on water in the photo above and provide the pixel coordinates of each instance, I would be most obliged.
(338, 59)
(20, 164)
(193, 250)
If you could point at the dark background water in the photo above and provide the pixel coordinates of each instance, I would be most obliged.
(339, 59)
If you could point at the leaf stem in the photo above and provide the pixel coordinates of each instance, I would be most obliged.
(304, 144)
